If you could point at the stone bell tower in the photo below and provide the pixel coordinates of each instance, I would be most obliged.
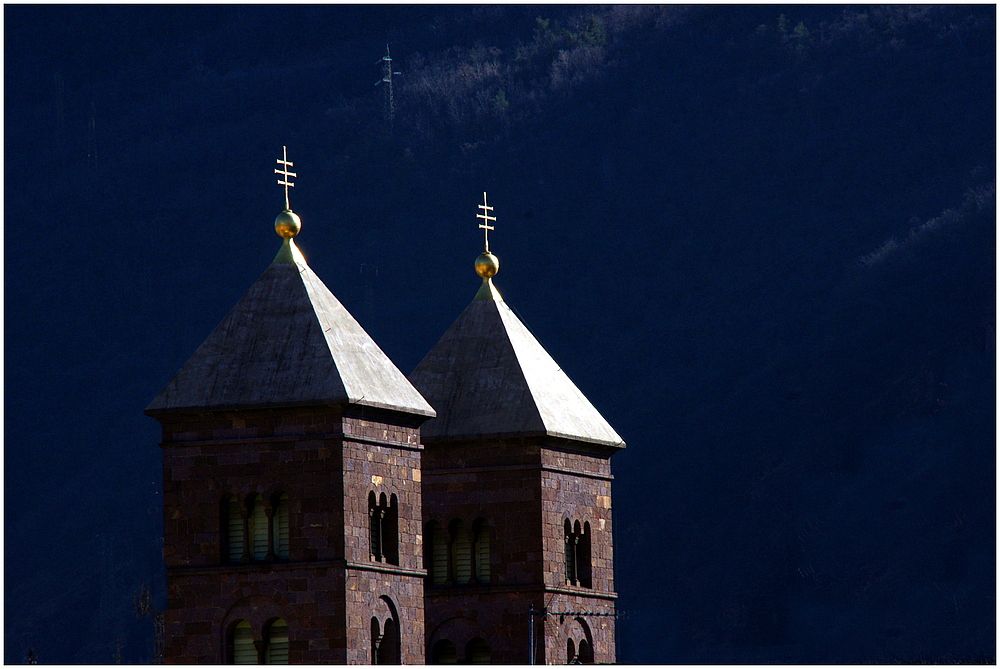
(292, 493)
(517, 496)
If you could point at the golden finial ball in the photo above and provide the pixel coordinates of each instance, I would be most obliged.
(487, 265)
(287, 224)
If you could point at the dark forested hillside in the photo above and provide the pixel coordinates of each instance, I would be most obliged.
(761, 240)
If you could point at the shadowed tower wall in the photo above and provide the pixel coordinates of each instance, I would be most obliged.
(292, 493)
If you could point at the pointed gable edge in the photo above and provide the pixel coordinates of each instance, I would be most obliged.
(285, 343)
(488, 373)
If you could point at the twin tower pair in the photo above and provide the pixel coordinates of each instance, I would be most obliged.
(321, 507)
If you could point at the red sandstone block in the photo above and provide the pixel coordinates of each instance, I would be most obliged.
(201, 627)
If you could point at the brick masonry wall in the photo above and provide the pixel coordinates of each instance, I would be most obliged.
(525, 488)
(383, 468)
(599, 631)
(577, 487)
(500, 616)
(386, 469)
(327, 463)
(384, 596)
(204, 604)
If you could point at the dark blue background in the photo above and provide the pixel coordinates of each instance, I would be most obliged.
(760, 239)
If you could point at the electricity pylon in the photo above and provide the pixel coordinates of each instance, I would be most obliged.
(387, 72)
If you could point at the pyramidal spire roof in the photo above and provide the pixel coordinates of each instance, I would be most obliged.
(489, 377)
(288, 341)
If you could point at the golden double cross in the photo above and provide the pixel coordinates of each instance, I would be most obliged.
(285, 163)
(485, 225)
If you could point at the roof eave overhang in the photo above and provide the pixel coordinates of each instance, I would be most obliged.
(553, 438)
(420, 413)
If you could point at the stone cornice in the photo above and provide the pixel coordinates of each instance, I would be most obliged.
(295, 437)
(265, 567)
(510, 468)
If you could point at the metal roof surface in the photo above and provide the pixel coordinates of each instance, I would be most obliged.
(289, 341)
(489, 376)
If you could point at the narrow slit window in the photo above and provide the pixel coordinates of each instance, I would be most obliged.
(390, 531)
(376, 639)
(583, 558)
(375, 512)
(579, 564)
(570, 553)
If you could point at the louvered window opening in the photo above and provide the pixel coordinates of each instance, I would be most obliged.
(462, 551)
(235, 534)
(281, 528)
(258, 529)
(244, 652)
(439, 549)
(444, 653)
(458, 556)
(277, 643)
(478, 652)
(482, 552)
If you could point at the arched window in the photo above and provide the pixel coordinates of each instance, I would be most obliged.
(383, 528)
(258, 529)
(390, 531)
(578, 562)
(570, 553)
(280, 525)
(438, 553)
(583, 558)
(444, 652)
(376, 632)
(481, 550)
(374, 528)
(461, 553)
(584, 649)
(241, 644)
(477, 652)
(388, 649)
(232, 530)
(586, 653)
(276, 651)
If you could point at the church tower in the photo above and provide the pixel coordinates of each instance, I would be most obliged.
(517, 496)
(292, 492)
